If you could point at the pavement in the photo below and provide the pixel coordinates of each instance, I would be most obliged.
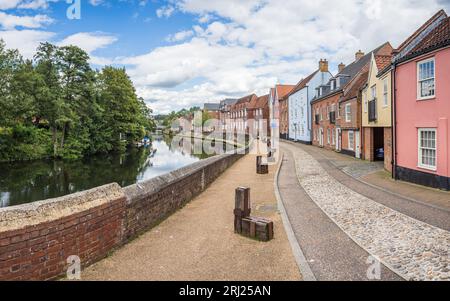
(198, 242)
(408, 235)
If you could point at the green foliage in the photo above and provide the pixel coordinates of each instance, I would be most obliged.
(57, 106)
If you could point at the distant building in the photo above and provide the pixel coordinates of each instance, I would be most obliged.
(278, 108)
(299, 103)
(239, 113)
(258, 114)
(225, 113)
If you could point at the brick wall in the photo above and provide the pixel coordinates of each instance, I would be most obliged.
(368, 148)
(388, 149)
(39, 250)
(36, 239)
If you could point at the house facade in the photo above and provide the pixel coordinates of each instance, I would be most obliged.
(239, 113)
(225, 113)
(259, 116)
(299, 104)
(422, 107)
(348, 116)
(278, 110)
(327, 113)
(377, 111)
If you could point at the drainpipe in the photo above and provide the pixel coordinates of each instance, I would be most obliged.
(394, 122)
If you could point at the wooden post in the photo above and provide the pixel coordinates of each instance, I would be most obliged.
(242, 207)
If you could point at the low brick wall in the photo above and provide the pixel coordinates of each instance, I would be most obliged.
(36, 239)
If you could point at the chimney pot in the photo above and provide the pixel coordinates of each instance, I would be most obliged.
(341, 67)
(359, 55)
(323, 65)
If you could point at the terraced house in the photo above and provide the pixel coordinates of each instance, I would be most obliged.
(299, 103)
(377, 110)
(327, 131)
(422, 105)
(239, 113)
(279, 110)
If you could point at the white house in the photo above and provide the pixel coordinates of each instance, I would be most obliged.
(300, 120)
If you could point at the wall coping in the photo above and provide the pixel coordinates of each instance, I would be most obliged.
(151, 186)
(21, 216)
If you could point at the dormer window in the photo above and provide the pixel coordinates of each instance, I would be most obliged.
(337, 82)
(333, 85)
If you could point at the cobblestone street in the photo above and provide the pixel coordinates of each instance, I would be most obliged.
(413, 249)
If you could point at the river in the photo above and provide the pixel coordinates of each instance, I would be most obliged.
(25, 182)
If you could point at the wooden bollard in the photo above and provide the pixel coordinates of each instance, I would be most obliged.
(261, 168)
(242, 207)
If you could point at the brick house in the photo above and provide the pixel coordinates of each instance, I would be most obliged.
(225, 113)
(276, 105)
(349, 117)
(259, 115)
(421, 105)
(239, 113)
(327, 132)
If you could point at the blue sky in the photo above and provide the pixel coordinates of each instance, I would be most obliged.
(181, 53)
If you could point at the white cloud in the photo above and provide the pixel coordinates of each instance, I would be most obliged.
(165, 11)
(244, 46)
(90, 42)
(180, 36)
(8, 4)
(8, 21)
(25, 40)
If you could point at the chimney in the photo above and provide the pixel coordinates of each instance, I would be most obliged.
(359, 55)
(323, 65)
(341, 67)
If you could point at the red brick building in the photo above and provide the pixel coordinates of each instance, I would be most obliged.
(278, 108)
(259, 115)
(239, 113)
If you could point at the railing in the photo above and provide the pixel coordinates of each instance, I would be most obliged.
(373, 110)
(317, 119)
(333, 117)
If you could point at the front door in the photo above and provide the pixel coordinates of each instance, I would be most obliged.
(338, 139)
(357, 145)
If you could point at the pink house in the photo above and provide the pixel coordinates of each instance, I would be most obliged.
(422, 105)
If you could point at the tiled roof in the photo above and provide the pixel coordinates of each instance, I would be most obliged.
(354, 68)
(283, 90)
(356, 85)
(259, 102)
(245, 99)
(383, 61)
(440, 36)
(302, 83)
(437, 16)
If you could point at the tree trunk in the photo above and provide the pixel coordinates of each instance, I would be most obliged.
(55, 142)
(63, 134)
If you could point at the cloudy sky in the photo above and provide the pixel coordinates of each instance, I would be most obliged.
(181, 53)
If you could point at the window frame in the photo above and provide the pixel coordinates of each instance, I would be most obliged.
(348, 113)
(418, 81)
(420, 148)
(385, 92)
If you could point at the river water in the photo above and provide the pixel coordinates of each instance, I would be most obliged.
(25, 182)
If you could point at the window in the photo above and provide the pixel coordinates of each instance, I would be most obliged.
(332, 138)
(426, 79)
(348, 113)
(351, 140)
(328, 136)
(385, 92)
(328, 112)
(427, 148)
(373, 92)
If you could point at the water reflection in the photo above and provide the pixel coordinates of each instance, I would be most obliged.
(25, 182)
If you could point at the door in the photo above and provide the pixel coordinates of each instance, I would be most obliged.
(357, 145)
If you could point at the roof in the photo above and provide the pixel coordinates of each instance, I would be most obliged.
(302, 83)
(211, 106)
(354, 68)
(356, 85)
(228, 101)
(437, 38)
(283, 90)
(259, 102)
(245, 99)
(439, 15)
(383, 61)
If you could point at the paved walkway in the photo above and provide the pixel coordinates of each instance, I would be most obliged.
(198, 242)
(413, 249)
